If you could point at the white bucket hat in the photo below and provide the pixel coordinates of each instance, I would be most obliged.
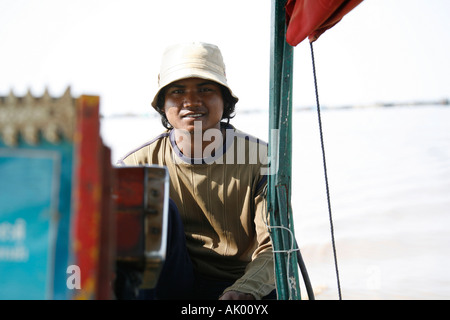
(192, 60)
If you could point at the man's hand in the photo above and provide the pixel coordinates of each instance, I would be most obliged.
(236, 295)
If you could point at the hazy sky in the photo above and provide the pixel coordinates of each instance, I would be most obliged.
(382, 51)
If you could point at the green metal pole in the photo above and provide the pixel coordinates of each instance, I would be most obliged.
(280, 149)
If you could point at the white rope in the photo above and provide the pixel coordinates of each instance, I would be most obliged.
(265, 214)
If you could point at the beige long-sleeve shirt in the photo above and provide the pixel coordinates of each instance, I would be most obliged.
(221, 201)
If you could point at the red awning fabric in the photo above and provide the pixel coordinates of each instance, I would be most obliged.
(311, 18)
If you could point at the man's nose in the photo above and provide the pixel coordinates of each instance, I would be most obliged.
(191, 99)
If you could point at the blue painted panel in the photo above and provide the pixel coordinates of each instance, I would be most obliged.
(35, 208)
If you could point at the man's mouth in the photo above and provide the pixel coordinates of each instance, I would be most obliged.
(193, 115)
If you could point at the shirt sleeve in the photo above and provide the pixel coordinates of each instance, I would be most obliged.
(258, 279)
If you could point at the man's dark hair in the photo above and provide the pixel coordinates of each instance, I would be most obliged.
(229, 104)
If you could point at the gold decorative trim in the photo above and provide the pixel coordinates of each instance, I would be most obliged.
(34, 117)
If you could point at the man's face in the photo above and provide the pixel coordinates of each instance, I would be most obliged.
(193, 100)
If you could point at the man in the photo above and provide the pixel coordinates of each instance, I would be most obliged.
(219, 243)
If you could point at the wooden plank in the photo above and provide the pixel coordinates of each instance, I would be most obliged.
(87, 195)
(107, 250)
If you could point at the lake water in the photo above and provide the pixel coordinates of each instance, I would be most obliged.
(389, 180)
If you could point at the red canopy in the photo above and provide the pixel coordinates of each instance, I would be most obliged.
(311, 18)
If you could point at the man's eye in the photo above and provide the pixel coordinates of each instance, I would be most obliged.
(205, 89)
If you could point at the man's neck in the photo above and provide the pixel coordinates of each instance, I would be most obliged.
(194, 144)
